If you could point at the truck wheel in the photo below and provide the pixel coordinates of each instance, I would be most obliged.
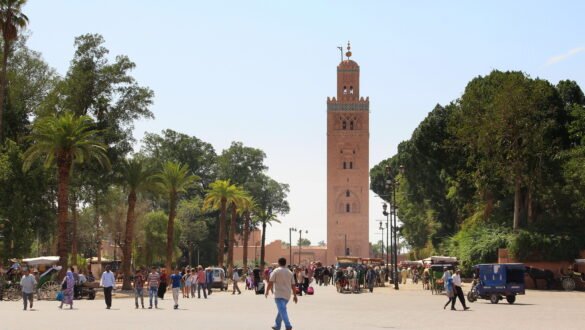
(494, 298)
(511, 299)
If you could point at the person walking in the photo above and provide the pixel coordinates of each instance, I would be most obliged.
(162, 287)
(201, 279)
(208, 280)
(28, 284)
(186, 281)
(236, 278)
(450, 294)
(139, 288)
(153, 283)
(176, 278)
(193, 282)
(67, 286)
(371, 278)
(281, 280)
(459, 290)
(108, 282)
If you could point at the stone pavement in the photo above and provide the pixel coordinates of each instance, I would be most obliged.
(408, 308)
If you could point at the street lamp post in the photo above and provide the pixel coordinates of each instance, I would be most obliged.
(382, 229)
(300, 242)
(391, 181)
(290, 230)
(386, 214)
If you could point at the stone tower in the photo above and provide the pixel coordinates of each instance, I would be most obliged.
(348, 135)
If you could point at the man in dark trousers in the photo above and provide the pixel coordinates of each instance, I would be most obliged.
(458, 290)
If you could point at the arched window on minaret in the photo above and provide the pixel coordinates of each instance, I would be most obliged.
(347, 193)
(350, 165)
(347, 208)
(344, 165)
(344, 125)
(350, 89)
(344, 89)
(351, 125)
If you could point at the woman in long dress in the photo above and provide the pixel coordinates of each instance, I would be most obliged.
(68, 283)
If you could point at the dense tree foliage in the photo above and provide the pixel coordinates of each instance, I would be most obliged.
(501, 164)
(55, 200)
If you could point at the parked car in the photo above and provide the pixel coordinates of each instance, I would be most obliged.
(219, 279)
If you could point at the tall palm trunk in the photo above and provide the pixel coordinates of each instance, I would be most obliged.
(246, 238)
(262, 246)
(64, 167)
(74, 231)
(517, 201)
(221, 233)
(3, 85)
(127, 249)
(171, 230)
(98, 232)
(231, 238)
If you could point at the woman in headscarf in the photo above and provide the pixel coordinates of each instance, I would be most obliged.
(67, 285)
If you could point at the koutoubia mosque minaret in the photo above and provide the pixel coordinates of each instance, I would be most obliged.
(348, 137)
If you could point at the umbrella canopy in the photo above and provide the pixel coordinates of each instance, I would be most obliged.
(48, 260)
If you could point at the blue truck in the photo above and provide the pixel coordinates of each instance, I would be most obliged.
(495, 282)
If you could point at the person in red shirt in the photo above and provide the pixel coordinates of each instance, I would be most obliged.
(201, 282)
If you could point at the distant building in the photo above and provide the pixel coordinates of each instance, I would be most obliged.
(276, 249)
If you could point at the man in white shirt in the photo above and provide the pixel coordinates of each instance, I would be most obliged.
(28, 284)
(236, 278)
(458, 290)
(108, 282)
(282, 281)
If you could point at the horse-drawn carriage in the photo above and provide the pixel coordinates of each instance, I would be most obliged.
(347, 274)
(47, 286)
(10, 282)
(496, 281)
(574, 274)
(436, 267)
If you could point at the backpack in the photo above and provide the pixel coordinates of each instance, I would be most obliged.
(310, 290)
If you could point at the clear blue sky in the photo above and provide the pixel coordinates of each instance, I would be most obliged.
(260, 71)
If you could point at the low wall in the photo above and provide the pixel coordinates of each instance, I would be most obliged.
(554, 266)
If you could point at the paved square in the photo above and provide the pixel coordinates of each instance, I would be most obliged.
(409, 308)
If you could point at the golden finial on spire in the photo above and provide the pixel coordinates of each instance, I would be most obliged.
(348, 53)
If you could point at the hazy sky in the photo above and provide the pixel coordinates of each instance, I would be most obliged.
(260, 71)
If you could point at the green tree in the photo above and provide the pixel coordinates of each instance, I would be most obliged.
(220, 194)
(135, 176)
(64, 140)
(508, 120)
(241, 198)
(174, 179)
(303, 242)
(11, 21)
(170, 145)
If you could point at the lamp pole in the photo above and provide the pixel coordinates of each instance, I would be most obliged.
(300, 242)
(392, 183)
(290, 230)
(386, 214)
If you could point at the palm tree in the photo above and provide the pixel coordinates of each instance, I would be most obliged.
(266, 217)
(247, 208)
(11, 20)
(221, 193)
(240, 199)
(135, 176)
(173, 180)
(64, 140)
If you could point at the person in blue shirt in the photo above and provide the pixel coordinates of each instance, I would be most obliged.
(209, 280)
(176, 286)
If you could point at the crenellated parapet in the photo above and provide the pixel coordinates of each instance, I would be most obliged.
(361, 104)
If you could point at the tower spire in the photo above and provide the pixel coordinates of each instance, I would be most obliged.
(348, 53)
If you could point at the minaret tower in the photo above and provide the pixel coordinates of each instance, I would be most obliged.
(348, 136)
